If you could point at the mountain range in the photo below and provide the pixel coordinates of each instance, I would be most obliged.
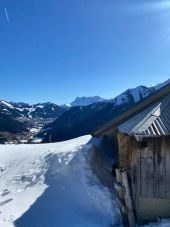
(85, 101)
(52, 122)
(81, 120)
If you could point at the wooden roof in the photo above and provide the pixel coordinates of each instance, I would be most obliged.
(139, 107)
(153, 121)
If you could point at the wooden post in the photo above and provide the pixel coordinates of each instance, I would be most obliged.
(118, 176)
(50, 138)
(120, 196)
(119, 181)
(128, 200)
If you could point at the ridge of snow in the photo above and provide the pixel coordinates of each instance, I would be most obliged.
(40, 106)
(7, 104)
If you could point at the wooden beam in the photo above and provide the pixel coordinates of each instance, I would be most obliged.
(122, 206)
(128, 200)
(119, 187)
(118, 176)
(119, 181)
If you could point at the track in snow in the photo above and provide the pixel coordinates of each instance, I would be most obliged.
(53, 185)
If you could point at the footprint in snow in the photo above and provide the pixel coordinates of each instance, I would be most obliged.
(2, 169)
(6, 201)
(5, 192)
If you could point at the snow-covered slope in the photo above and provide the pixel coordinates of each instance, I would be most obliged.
(53, 185)
(24, 119)
(160, 223)
(137, 94)
(24, 110)
(132, 95)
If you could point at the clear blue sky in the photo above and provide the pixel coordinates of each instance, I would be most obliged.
(55, 50)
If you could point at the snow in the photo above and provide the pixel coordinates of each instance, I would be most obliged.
(137, 93)
(37, 140)
(35, 130)
(120, 99)
(40, 106)
(53, 185)
(68, 105)
(160, 223)
(7, 104)
(20, 109)
(23, 141)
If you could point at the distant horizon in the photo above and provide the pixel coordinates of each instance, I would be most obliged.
(108, 98)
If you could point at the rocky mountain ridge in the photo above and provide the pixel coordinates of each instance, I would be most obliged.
(81, 120)
(48, 120)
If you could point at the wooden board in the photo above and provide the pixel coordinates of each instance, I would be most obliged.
(147, 170)
(167, 152)
(133, 167)
(123, 143)
(128, 199)
(138, 185)
(159, 167)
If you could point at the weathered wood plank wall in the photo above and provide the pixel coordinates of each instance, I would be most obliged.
(167, 174)
(159, 167)
(155, 168)
(147, 169)
(147, 164)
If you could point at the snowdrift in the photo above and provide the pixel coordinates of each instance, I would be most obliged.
(53, 185)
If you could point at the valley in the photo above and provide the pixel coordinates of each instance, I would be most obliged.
(49, 122)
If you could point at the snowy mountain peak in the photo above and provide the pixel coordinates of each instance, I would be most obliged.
(137, 94)
(132, 95)
(85, 101)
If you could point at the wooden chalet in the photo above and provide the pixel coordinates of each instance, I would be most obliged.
(142, 136)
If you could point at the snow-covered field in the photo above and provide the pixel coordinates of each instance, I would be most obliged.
(53, 185)
(160, 223)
